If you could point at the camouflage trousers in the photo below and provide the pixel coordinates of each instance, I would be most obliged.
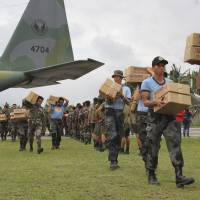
(158, 125)
(114, 124)
(141, 124)
(13, 130)
(56, 132)
(23, 134)
(35, 130)
(3, 130)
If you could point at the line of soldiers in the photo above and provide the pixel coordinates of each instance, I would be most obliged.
(86, 123)
(7, 126)
(108, 123)
(35, 124)
(26, 128)
(148, 125)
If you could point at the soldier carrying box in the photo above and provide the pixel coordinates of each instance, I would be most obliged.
(161, 124)
(114, 119)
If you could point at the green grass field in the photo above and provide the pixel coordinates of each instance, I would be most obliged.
(78, 172)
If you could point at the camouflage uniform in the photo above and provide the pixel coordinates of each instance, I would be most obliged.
(73, 123)
(13, 127)
(35, 125)
(69, 121)
(92, 118)
(4, 124)
(65, 121)
(158, 124)
(127, 120)
(3, 130)
(101, 126)
(114, 122)
(81, 124)
(76, 123)
(87, 134)
(141, 124)
(13, 130)
(23, 134)
(125, 141)
(97, 129)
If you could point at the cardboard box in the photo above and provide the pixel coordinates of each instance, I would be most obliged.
(52, 100)
(32, 98)
(114, 91)
(176, 96)
(110, 89)
(20, 114)
(136, 70)
(136, 78)
(193, 40)
(104, 88)
(136, 74)
(174, 103)
(192, 55)
(3, 118)
(173, 87)
(19, 111)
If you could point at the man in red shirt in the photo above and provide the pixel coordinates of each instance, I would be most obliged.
(179, 120)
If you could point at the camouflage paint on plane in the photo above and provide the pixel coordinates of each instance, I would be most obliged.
(40, 51)
(40, 39)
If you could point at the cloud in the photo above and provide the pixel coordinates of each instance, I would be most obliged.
(113, 52)
(119, 33)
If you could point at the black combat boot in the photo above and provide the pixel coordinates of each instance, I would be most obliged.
(40, 150)
(127, 151)
(21, 147)
(152, 180)
(95, 144)
(31, 148)
(114, 165)
(103, 148)
(182, 180)
(121, 150)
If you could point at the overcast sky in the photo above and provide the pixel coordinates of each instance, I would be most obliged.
(119, 33)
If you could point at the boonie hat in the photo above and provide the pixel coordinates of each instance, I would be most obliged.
(118, 73)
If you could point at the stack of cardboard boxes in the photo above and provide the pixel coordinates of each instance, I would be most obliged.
(134, 75)
(176, 97)
(110, 90)
(192, 50)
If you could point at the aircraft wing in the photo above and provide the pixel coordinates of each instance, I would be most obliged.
(50, 75)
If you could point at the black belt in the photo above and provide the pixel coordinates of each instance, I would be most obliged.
(142, 113)
(57, 119)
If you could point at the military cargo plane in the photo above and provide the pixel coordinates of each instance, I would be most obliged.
(40, 51)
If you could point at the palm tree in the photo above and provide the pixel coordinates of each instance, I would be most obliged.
(178, 77)
(189, 78)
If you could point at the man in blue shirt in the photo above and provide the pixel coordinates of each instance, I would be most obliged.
(114, 120)
(57, 112)
(161, 124)
(141, 122)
